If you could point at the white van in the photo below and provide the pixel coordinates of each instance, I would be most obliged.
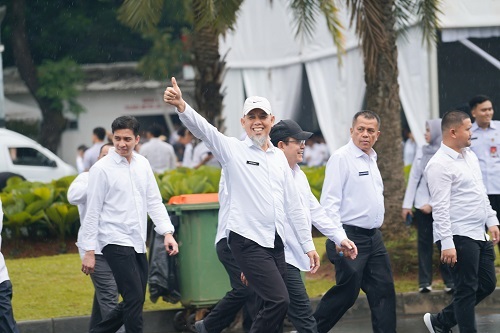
(24, 156)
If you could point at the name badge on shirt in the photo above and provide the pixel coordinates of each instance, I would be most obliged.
(363, 173)
(252, 163)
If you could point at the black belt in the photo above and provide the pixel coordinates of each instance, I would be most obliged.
(358, 230)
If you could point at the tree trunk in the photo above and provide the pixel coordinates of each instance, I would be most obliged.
(53, 122)
(208, 72)
(382, 96)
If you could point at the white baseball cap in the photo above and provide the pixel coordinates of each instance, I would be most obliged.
(256, 102)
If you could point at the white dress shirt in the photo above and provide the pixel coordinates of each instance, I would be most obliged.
(316, 215)
(410, 149)
(161, 155)
(486, 146)
(77, 195)
(194, 155)
(353, 191)
(79, 164)
(417, 193)
(460, 205)
(260, 186)
(91, 155)
(223, 209)
(4, 274)
(187, 157)
(316, 155)
(120, 195)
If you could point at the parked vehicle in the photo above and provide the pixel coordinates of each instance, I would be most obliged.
(23, 156)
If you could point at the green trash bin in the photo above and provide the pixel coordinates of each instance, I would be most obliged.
(203, 281)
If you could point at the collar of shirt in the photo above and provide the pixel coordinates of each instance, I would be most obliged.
(359, 153)
(453, 153)
(250, 143)
(117, 157)
(476, 127)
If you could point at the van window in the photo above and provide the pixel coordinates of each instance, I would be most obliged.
(29, 156)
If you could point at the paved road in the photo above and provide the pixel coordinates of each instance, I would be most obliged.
(486, 323)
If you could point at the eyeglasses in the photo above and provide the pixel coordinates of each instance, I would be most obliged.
(300, 142)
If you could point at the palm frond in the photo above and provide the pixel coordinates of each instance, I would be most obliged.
(218, 14)
(404, 11)
(304, 13)
(141, 15)
(369, 21)
(331, 12)
(427, 12)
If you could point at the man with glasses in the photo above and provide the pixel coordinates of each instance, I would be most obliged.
(353, 193)
(288, 136)
(260, 196)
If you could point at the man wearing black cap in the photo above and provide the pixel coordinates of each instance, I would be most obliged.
(290, 138)
(260, 196)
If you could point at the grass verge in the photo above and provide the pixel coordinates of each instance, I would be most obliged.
(54, 286)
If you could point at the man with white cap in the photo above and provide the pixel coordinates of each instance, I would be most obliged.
(260, 195)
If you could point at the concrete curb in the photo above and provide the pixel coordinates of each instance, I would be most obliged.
(161, 321)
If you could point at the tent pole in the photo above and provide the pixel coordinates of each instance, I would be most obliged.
(433, 82)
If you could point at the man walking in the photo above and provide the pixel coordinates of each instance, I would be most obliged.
(105, 289)
(461, 211)
(288, 136)
(353, 193)
(122, 192)
(261, 195)
(161, 155)
(91, 155)
(486, 145)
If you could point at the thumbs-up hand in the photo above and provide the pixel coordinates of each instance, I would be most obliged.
(173, 96)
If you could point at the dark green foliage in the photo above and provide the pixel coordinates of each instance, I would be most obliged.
(58, 81)
(84, 31)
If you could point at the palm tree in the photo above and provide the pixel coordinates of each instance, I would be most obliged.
(210, 20)
(376, 24)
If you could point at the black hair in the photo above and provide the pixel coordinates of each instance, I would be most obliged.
(82, 147)
(453, 118)
(126, 122)
(100, 132)
(182, 131)
(366, 114)
(275, 140)
(155, 130)
(478, 100)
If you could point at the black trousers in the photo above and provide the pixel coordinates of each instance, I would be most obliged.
(240, 296)
(371, 272)
(130, 270)
(265, 270)
(7, 322)
(426, 250)
(474, 276)
(299, 311)
(495, 204)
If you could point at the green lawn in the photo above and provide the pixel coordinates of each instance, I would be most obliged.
(49, 287)
(54, 286)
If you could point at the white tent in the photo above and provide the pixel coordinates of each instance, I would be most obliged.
(264, 58)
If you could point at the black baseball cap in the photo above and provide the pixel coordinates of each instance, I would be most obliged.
(287, 129)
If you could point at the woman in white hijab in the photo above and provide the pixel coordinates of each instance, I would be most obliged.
(417, 195)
